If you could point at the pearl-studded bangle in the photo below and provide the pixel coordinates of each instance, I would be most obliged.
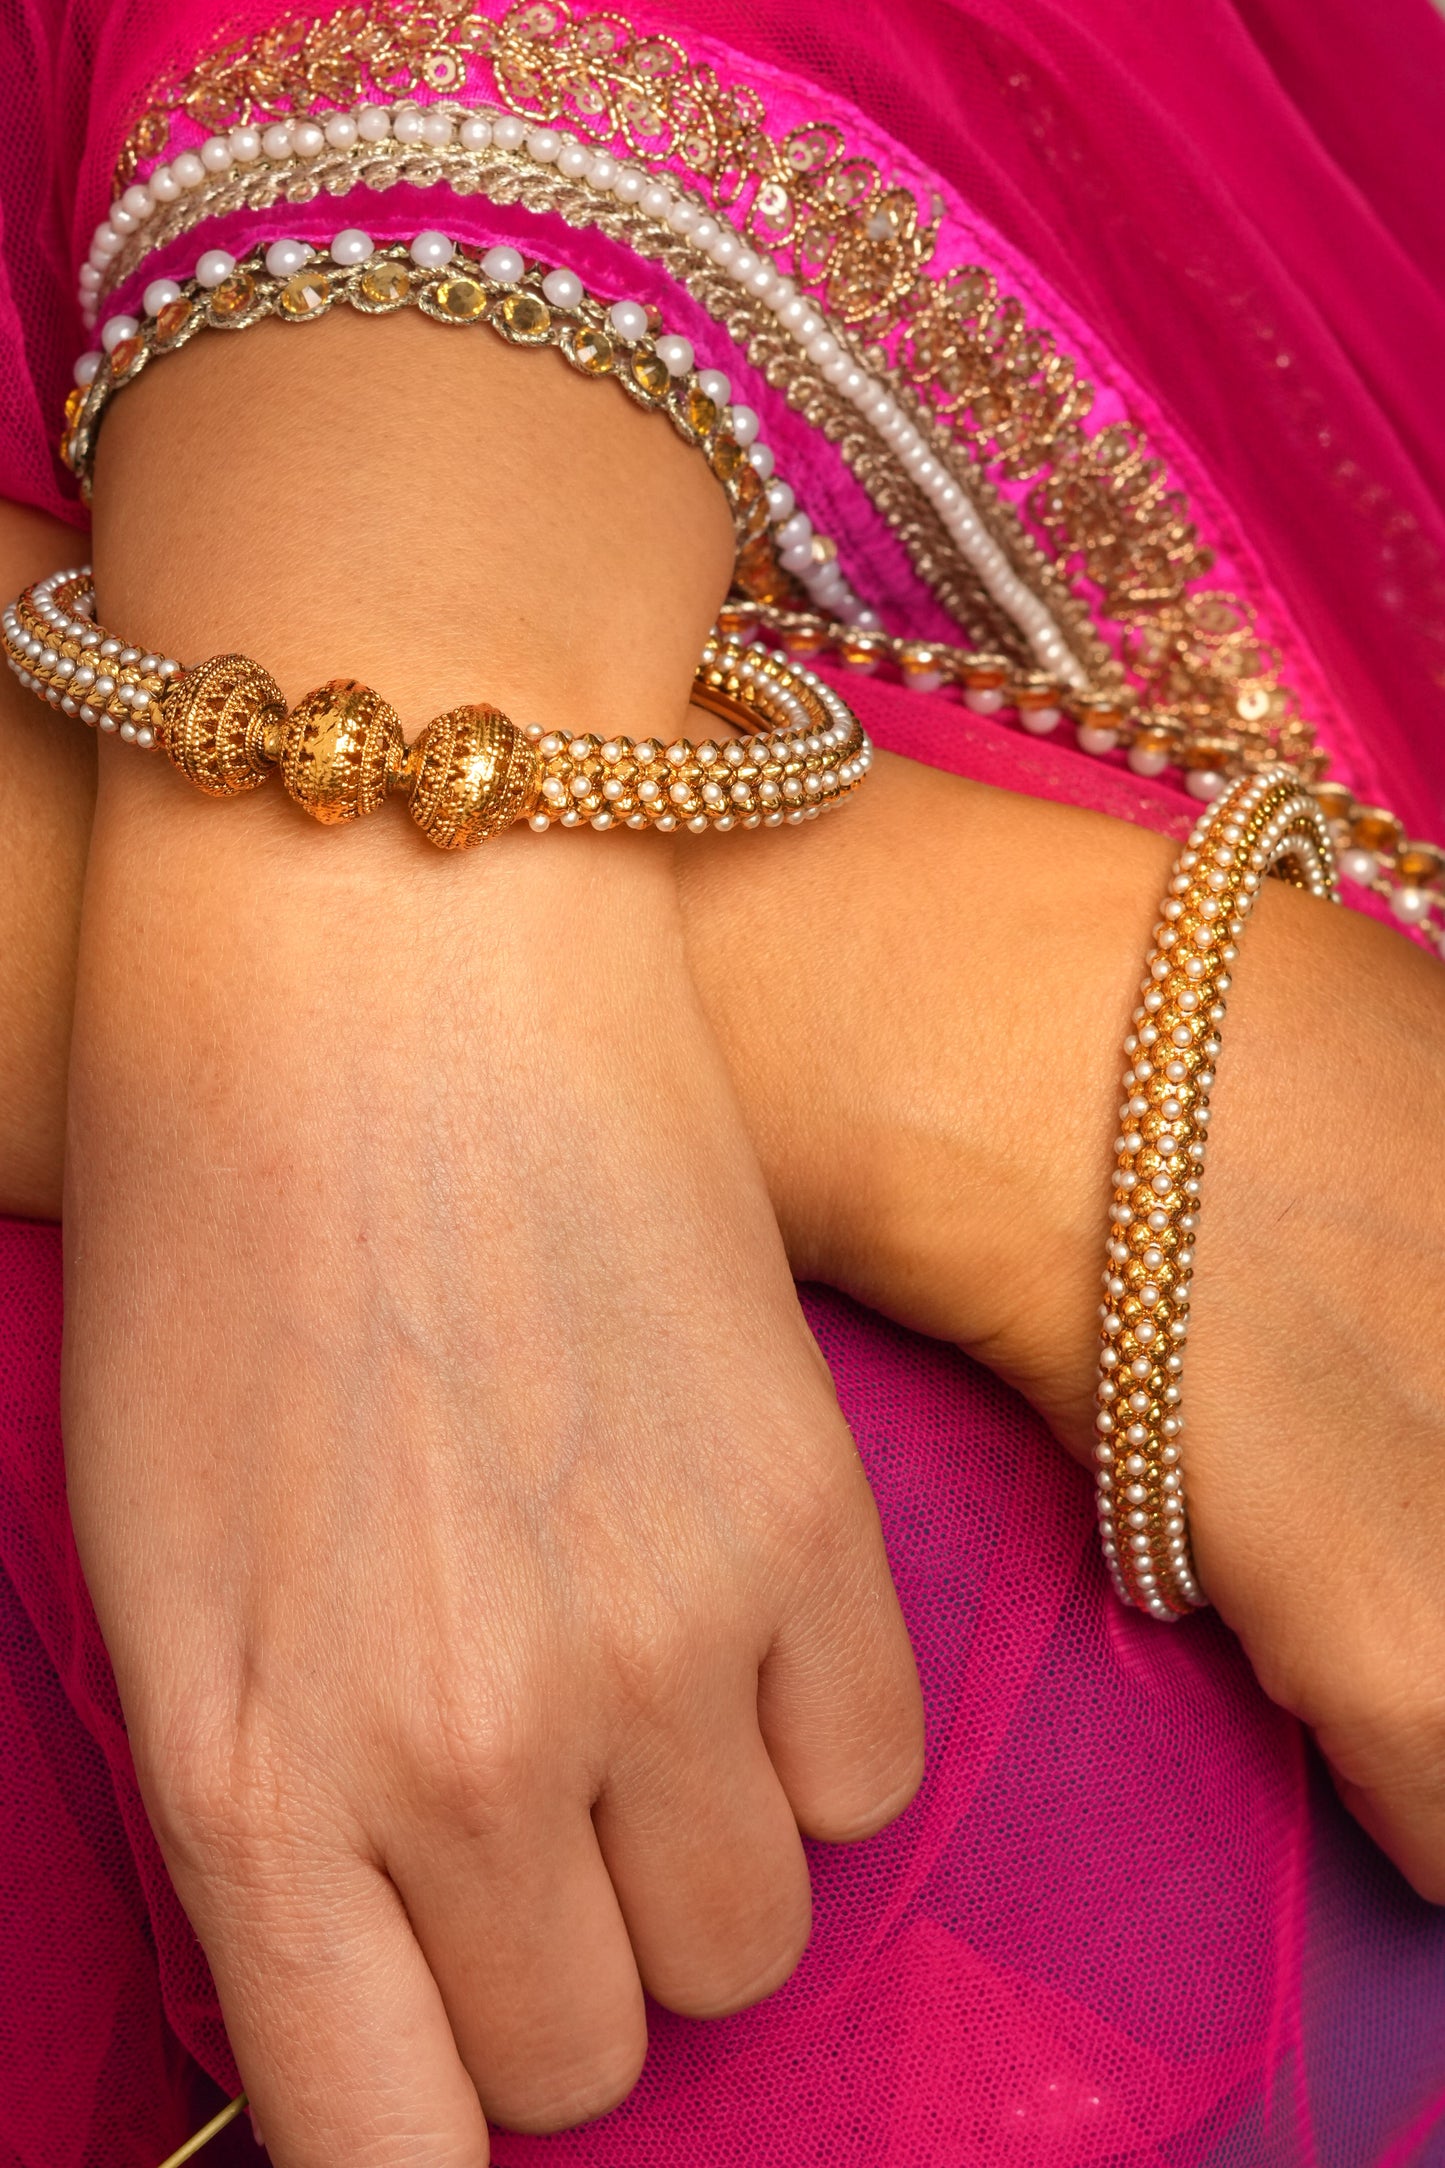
(472, 772)
(525, 304)
(1265, 824)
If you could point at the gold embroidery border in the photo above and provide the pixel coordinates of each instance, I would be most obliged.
(1005, 394)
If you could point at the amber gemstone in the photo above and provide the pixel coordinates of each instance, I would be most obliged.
(593, 351)
(461, 298)
(1375, 830)
(384, 284)
(728, 457)
(124, 355)
(1419, 863)
(701, 412)
(172, 320)
(307, 294)
(525, 316)
(74, 401)
(650, 371)
(233, 294)
(749, 485)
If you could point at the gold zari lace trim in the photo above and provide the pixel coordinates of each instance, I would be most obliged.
(998, 388)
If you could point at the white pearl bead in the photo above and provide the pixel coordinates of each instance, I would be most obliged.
(504, 266)
(781, 501)
(1039, 721)
(351, 246)
(436, 128)
(1410, 905)
(509, 133)
(684, 216)
(307, 140)
(675, 354)
(543, 144)
(795, 530)
(431, 251)
(275, 142)
(138, 202)
(705, 232)
(124, 327)
(104, 243)
(655, 200)
(1144, 760)
(341, 131)
(188, 170)
(89, 278)
(163, 185)
(1205, 783)
(373, 124)
(563, 289)
(475, 134)
(1093, 738)
(628, 319)
(743, 422)
(217, 155)
(245, 148)
(1361, 867)
(602, 171)
(158, 294)
(715, 386)
(86, 367)
(724, 246)
(629, 184)
(760, 458)
(283, 258)
(407, 125)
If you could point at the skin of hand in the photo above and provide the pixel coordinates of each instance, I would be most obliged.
(493, 1587)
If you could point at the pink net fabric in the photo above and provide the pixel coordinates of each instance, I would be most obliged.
(1236, 210)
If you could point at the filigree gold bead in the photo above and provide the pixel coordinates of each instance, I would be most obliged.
(214, 722)
(341, 748)
(473, 773)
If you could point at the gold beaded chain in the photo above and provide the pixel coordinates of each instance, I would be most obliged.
(341, 751)
(1371, 843)
(457, 293)
(1266, 824)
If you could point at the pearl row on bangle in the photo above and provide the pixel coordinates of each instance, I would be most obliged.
(452, 134)
(58, 652)
(341, 751)
(1265, 824)
(526, 304)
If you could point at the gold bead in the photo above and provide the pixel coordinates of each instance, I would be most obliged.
(473, 774)
(214, 722)
(343, 745)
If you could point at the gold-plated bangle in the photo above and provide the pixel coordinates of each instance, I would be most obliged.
(472, 772)
(1266, 824)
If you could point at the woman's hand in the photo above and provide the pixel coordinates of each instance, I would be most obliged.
(935, 1121)
(492, 1584)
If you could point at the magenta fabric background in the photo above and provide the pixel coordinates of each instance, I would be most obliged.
(1237, 207)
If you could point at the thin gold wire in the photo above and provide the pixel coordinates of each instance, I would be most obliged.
(206, 2133)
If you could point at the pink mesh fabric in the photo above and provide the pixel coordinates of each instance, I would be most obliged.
(1235, 209)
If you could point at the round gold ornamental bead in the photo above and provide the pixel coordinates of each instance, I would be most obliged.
(340, 750)
(472, 774)
(214, 723)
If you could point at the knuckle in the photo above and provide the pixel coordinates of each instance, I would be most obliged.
(217, 1796)
(471, 1759)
